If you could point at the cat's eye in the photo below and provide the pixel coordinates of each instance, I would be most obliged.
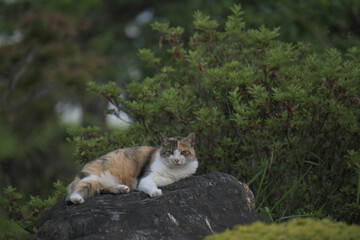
(168, 153)
(185, 153)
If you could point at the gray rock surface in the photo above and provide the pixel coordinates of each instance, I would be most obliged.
(189, 209)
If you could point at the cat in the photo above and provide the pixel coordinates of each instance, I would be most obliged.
(141, 168)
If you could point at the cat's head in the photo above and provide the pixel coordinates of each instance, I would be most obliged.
(177, 151)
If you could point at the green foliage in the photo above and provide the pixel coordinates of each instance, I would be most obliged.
(294, 229)
(22, 217)
(250, 98)
(269, 112)
(89, 143)
(148, 56)
(45, 68)
(11, 230)
(323, 24)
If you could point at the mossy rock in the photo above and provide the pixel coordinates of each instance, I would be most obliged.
(295, 229)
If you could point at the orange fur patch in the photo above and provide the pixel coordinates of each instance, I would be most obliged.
(125, 165)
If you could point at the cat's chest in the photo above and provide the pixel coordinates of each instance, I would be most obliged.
(162, 175)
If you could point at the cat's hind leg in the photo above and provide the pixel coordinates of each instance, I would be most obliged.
(116, 189)
(76, 198)
(70, 190)
(111, 184)
(85, 188)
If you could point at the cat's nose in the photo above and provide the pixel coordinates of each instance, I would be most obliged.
(177, 160)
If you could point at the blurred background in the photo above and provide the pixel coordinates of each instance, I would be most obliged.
(49, 50)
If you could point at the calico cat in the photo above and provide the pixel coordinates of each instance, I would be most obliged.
(141, 168)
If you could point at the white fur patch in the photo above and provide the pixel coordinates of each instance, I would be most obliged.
(90, 177)
(148, 186)
(107, 179)
(155, 193)
(76, 198)
(177, 154)
(163, 173)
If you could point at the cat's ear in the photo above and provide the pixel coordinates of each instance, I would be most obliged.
(164, 139)
(190, 138)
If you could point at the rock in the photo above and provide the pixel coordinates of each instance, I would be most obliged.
(189, 209)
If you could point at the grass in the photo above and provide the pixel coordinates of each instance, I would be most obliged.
(263, 188)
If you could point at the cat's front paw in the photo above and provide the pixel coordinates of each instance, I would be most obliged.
(76, 198)
(155, 193)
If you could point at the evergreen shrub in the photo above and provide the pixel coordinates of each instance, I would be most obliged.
(294, 229)
(276, 115)
(20, 218)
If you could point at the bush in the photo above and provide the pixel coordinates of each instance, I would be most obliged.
(294, 229)
(320, 23)
(19, 218)
(271, 113)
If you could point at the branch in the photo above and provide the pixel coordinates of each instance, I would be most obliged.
(19, 70)
(44, 91)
